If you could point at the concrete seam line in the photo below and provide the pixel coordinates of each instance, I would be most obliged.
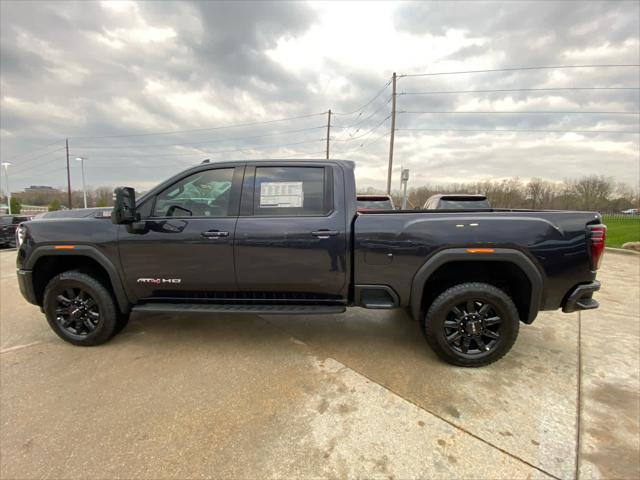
(20, 347)
(449, 422)
(445, 420)
(579, 399)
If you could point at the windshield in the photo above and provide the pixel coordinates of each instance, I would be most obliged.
(464, 204)
(375, 204)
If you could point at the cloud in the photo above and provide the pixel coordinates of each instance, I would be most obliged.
(89, 69)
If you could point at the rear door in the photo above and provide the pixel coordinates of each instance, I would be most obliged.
(290, 237)
(185, 248)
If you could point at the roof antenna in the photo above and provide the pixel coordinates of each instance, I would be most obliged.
(206, 161)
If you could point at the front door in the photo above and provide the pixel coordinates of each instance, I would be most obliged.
(290, 239)
(185, 249)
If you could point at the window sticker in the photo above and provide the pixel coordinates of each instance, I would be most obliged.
(281, 195)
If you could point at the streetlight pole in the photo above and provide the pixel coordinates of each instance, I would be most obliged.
(404, 179)
(6, 174)
(84, 189)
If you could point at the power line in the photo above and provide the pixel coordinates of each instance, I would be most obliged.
(237, 125)
(76, 147)
(21, 167)
(512, 130)
(205, 152)
(514, 69)
(39, 156)
(21, 173)
(361, 121)
(301, 154)
(527, 112)
(518, 90)
(33, 151)
(363, 134)
(364, 142)
(368, 103)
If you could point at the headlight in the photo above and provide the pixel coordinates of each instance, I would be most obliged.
(21, 233)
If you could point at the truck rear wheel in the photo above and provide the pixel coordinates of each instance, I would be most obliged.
(80, 309)
(471, 324)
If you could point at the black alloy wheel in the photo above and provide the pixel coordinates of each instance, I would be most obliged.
(77, 312)
(473, 327)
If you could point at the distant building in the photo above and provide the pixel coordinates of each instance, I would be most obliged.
(41, 189)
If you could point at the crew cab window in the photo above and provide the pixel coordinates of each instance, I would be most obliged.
(203, 194)
(290, 191)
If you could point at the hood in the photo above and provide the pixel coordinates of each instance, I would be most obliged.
(99, 212)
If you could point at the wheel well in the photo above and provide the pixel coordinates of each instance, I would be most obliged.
(48, 267)
(504, 275)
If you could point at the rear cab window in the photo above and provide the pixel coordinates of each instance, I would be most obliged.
(463, 204)
(291, 191)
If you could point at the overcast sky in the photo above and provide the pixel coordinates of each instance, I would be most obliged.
(120, 69)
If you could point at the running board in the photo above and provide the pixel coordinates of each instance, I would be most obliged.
(255, 309)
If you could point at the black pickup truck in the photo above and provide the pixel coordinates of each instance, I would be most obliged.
(284, 237)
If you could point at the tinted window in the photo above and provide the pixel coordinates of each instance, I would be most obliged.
(375, 204)
(203, 194)
(5, 220)
(464, 204)
(294, 191)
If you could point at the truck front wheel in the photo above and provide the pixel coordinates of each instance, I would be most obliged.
(80, 309)
(471, 324)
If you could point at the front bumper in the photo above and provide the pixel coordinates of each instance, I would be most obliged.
(7, 238)
(581, 298)
(25, 282)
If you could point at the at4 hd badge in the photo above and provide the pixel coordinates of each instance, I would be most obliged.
(159, 281)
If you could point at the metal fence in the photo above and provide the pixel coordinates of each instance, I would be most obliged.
(621, 216)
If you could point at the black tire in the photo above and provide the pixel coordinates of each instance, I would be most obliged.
(471, 324)
(80, 310)
(123, 320)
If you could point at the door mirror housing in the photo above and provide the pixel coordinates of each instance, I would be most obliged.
(124, 206)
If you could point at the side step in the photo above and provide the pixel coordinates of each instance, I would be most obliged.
(255, 309)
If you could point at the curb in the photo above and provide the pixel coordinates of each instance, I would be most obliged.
(624, 251)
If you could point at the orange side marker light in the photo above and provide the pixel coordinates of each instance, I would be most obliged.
(64, 247)
(480, 250)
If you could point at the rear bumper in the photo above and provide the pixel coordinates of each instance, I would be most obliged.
(581, 298)
(25, 282)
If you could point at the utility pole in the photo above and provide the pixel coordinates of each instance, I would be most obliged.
(68, 176)
(328, 131)
(393, 131)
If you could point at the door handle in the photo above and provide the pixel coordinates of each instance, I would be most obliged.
(325, 233)
(214, 234)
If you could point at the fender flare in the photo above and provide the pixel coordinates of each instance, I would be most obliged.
(124, 303)
(509, 255)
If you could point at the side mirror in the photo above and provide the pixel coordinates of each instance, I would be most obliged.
(124, 206)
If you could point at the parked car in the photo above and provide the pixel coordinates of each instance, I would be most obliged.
(8, 226)
(374, 202)
(630, 211)
(283, 237)
(456, 201)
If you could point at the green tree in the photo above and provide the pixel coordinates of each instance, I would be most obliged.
(16, 207)
(54, 205)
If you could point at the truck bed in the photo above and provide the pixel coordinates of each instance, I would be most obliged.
(390, 246)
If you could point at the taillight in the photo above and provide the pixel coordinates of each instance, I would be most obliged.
(597, 240)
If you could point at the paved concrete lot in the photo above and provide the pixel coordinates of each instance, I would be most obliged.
(354, 395)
